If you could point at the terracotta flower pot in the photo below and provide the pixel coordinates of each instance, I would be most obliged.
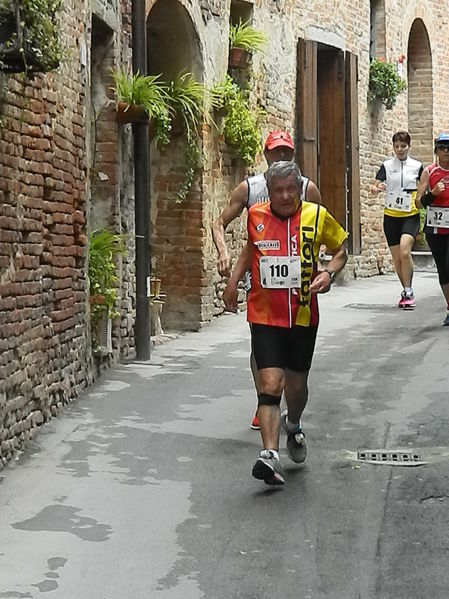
(131, 113)
(239, 58)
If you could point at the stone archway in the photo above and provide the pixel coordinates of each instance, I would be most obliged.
(176, 235)
(420, 93)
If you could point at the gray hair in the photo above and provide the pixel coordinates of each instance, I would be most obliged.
(283, 169)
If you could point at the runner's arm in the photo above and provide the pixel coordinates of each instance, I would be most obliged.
(230, 294)
(422, 188)
(322, 282)
(426, 196)
(235, 207)
(381, 178)
(313, 193)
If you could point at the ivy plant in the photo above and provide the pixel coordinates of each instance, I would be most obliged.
(384, 82)
(241, 127)
(34, 43)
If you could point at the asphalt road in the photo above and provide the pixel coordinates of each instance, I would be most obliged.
(142, 488)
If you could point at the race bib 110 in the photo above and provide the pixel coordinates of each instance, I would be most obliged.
(280, 272)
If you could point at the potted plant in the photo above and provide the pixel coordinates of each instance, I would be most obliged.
(384, 83)
(244, 40)
(186, 104)
(241, 126)
(142, 97)
(29, 35)
(104, 247)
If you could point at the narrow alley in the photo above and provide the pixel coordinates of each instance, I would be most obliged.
(143, 488)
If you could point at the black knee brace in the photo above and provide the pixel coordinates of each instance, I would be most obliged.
(265, 399)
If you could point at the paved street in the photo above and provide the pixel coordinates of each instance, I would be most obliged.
(142, 489)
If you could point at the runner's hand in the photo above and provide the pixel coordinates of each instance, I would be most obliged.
(230, 297)
(224, 265)
(321, 283)
(439, 188)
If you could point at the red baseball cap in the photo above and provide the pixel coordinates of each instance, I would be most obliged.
(278, 139)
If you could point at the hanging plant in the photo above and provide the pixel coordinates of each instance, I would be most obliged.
(143, 97)
(384, 83)
(29, 35)
(244, 40)
(186, 98)
(241, 126)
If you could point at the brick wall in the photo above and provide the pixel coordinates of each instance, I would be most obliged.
(43, 209)
(45, 187)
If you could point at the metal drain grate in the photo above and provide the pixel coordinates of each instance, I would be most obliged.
(390, 457)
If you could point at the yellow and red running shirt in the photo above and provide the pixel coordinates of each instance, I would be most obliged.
(299, 235)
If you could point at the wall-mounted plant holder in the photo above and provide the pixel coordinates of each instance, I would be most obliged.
(239, 58)
(131, 113)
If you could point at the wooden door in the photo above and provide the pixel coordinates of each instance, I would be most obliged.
(331, 125)
(327, 143)
(306, 109)
(352, 154)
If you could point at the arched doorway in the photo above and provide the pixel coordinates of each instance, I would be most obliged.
(420, 94)
(176, 238)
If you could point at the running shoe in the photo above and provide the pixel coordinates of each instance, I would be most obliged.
(408, 301)
(296, 442)
(268, 469)
(255, 423)
(446, 321)
(401, 300)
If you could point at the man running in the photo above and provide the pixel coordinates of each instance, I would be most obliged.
(284, 237)
(278, 146)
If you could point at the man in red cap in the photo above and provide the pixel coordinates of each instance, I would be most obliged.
(252, 190)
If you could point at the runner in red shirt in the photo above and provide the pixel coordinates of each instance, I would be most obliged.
(284, 237)
(433, 193)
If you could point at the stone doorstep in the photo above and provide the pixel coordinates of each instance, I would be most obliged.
(423, 260)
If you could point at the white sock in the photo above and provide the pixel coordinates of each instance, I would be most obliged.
(408, 290)
(269, 453)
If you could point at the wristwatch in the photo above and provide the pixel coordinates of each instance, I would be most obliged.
(331, 273)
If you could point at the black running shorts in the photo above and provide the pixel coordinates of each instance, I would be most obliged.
(395, 226)
(280, 347)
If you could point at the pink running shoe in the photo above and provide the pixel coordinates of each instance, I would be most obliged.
(407, 301)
